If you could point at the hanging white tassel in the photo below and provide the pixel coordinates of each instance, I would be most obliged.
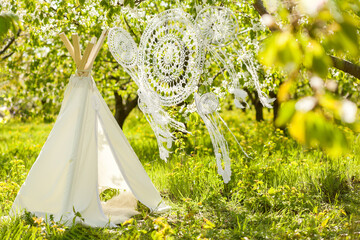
(207, 105)
(161, 123)
(239, 94)
(264, 99)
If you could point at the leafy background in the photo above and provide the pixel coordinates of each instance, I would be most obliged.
(302, 180)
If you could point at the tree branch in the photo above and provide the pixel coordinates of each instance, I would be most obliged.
(131, 30)
(120, 78)
(12, 40)
(259, 7)
(109, 61)
(346, 66)
(8, 55)
(137, 2)
(217, 74)
(340, 64)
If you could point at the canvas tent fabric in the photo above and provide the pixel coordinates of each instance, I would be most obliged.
(85, 153)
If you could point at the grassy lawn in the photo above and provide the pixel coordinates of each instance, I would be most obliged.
(284, 191)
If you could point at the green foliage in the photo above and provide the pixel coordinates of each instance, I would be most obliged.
(108, 194)
(303, 39)
(33, 77)
(40, 66)
(287, 111)
(8, 21)
(281, 49)
(283, 192)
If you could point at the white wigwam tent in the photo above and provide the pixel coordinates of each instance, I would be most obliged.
(85, 153)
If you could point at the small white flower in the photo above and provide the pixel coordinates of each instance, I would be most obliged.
(331, 85)
(312, 7)
(272, 5)
(191, 108)
(217, 90)
(348, 111)
(221, 95)
(5, 219)
(305, 104)
(268, 20)
(316, 83)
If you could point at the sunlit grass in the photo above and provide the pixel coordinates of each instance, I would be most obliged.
(284, 191)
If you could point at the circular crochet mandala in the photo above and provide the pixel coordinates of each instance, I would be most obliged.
(208, 103)
(218, 25)
(171, 56)
(123, 47)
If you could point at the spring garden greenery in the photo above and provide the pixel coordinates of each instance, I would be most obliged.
(302, 180)
(283, 192)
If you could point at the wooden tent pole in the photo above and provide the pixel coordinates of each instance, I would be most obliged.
(76, 44)
(85, 62)
(68, 45)
(87, 52)
(96, 50)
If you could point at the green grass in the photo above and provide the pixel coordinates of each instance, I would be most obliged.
(285, 191)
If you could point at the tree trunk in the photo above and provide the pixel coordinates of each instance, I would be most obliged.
(254, 98)
(123, 108)
(259, 111)
(275, 105)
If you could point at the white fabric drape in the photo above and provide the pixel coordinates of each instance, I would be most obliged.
(85, 151)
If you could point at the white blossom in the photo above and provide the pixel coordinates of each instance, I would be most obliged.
(305, 104)
(316, 83)
(268, 20)
(331, 85)
(348, 111)
(191, 108)
(312, 7)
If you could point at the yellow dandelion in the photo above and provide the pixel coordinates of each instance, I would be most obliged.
(38, 220)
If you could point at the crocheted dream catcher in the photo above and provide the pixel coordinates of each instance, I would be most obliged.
(167, 71)
(170, 58)
(124, 49)
(219, 28)
(167, 67)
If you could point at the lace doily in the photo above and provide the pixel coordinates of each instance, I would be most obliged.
(208, 104)
(218, 25)
(123, 47)
(167, 68)
(170, 56)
